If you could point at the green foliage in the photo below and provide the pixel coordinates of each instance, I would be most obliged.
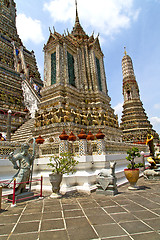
(132, 154)
(62, 164)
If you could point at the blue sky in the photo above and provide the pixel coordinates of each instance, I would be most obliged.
(134, 24)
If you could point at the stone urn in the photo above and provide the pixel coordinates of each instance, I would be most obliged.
(82, 135)
(90, 136)
(40, 140)
(132, 176)
(55, 180)
(63, 136)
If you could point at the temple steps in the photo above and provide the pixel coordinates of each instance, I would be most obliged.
(24, 132)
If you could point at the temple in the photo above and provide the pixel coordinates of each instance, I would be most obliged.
(135, 123)
(17, 66)
(72, 113)
(75, 94)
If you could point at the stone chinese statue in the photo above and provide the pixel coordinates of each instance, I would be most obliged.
(23, 162)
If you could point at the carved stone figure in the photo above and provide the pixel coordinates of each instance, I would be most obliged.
(25, 161)
(106, 181)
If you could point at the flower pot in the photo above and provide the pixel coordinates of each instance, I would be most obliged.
(55, 180)
(132, 176)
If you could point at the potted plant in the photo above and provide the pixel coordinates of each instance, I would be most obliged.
(132, 172)
(64, 163)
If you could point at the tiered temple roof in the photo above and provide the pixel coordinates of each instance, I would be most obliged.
(75, 92)
(135, 123)
(15, 62)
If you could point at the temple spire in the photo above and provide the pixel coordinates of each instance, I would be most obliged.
(125, 52)
(77, 29)
(77, 18)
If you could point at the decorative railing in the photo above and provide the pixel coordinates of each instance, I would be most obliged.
(7, 147)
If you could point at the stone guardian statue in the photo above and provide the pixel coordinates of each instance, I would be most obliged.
(23, 162)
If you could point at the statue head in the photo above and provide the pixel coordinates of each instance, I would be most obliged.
(25, 147)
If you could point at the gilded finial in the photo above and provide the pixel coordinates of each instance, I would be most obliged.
(125, 52)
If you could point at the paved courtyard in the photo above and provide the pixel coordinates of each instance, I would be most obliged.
(128, 215)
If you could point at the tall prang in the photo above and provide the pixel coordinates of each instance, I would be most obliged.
(75, 94)
(17, 64)
(135, 123)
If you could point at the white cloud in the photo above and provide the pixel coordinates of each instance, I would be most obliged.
(155, 121)
(118, 110)
(29, 29)
(157, 106)
(105, 16)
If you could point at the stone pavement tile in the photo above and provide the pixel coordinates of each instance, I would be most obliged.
(154, 223)
(123, 217)
(76, 222)
(51, 215)
(52, 224)
(109, 230)
(52, 208)
(68, 201)
(151, 205)
(26, 227)
(35, 204)
(56, 235)
(106, 203)
(32, 210)
(135, 227)
(115, 209)
(156, 211)
(6, 228)
(51, 201)
(133, 207)
(89, 205)
(82, 233)
(123, 202)
(118, 238)
(30, 217)
(3, 237)
(145, 214)
(94, 211)
(8, 219)
(70, 206)
(12, 211)
(146, 236)
(73, 213)
(84, 201)
(27, 236)
(100, 219)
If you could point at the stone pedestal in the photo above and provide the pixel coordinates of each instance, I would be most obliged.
(107, 186)
(107, 181)
(22, 196)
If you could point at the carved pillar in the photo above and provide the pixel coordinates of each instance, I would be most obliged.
(82, 147)
(63, 146)
(101, 147)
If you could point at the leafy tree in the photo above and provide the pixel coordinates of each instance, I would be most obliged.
(65, 163)
(132, 154)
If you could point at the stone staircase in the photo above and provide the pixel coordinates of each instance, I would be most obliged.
(24, 132)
